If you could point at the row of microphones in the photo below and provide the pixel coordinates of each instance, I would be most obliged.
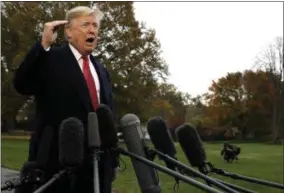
(193, 148)
(145, 168)
(165, 149)
(102, 136)
(71, 153)
(71, 142)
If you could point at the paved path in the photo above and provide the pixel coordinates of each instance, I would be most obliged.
(7, 174)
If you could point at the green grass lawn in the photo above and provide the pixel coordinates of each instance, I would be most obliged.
(257, 160)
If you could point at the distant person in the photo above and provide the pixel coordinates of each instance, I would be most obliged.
(68, 82)
(230, 152)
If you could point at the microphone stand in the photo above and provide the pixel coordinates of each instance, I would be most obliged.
(168, 171)
(55, 177)
(245, 178)
(151, 154)
(192, 171)
(96, 158)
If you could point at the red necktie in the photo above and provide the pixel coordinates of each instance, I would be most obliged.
(90, 82)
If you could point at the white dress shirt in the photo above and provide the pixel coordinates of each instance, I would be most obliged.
(79, 59)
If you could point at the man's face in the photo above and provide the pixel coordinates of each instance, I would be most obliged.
(83, 33)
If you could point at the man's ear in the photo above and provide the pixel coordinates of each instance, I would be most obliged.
(67, 32)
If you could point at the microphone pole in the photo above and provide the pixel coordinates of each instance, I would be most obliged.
(57, 176)
(94, 142)
(168, 171)
(246, 178)
(191, 170)
(219, 183)
(30, 177)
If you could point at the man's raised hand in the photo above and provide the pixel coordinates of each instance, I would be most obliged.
(49, 34)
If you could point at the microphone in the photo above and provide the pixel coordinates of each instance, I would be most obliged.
(71, 151)
(194, 150)
(162, 140)
(109, 143)
(94, 143)
(147, 179)
(71, 139)
(108, 133)
(30, 177)
(192, 146)
(160, 136)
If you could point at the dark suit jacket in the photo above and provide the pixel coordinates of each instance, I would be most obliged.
(58, 85)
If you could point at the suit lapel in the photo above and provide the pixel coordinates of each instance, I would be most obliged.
(76, 78)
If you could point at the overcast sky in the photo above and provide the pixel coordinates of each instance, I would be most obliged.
(203, 41)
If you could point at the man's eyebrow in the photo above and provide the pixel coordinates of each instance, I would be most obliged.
(88, 23)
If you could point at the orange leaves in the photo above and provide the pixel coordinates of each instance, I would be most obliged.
(232, 96)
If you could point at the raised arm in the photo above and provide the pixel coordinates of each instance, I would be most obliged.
(28, 76)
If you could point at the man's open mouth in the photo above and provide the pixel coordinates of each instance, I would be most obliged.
(90, 40)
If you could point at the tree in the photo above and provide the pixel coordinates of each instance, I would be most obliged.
(226, 100)
(242, 100)
(259, 96)
(271, 59)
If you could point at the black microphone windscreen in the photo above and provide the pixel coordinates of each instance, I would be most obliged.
(160, 136)
(71, 142)
(94, 139)
(108, 133)
(147, 179)
(191, 144)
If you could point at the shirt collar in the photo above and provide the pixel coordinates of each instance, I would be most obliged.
(77, 55)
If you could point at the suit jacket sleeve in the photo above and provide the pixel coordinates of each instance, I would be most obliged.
(28, 76)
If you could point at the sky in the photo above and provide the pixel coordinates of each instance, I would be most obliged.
(203, 41)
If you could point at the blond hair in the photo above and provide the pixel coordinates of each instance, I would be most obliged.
(83, 11)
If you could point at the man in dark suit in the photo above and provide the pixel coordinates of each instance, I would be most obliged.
(67, 82)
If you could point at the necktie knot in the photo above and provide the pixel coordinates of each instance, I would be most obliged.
(85, 58)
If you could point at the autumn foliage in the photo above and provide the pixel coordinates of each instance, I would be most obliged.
(241, 100)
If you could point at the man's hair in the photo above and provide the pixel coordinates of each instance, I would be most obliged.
(83, 11)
